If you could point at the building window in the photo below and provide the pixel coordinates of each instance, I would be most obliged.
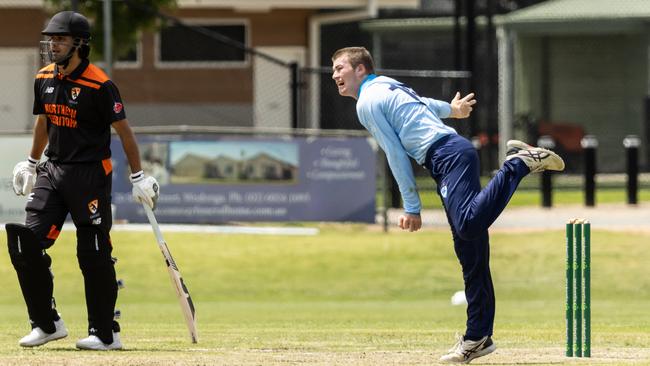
(190, 46)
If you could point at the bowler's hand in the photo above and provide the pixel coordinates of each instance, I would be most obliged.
(461, 108)
(410, 222)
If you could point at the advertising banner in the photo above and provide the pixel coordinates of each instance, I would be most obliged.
(216, 179)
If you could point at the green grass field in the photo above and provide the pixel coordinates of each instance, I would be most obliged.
(351, 295)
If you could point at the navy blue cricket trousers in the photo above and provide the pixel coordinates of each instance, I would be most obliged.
(454, 165)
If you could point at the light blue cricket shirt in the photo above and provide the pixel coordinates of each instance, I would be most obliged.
(404, 124)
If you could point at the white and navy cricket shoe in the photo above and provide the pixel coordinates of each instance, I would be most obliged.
(93, 343)
(464, 351)
(38, 337)
(537, 159)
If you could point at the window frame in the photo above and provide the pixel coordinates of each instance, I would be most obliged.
(160, 64)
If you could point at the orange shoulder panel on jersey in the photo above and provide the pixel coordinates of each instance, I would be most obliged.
(92, 77)
(94, 73)
(46, 73)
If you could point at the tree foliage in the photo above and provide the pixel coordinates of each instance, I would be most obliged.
(130, 17)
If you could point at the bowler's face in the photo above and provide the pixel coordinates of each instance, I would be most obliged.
(348, 79)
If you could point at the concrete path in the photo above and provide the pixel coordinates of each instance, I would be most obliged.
(604, 216)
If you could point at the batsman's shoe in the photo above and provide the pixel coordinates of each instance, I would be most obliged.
(464, 351)
(536, 158)
(38, 337)
(93, 343)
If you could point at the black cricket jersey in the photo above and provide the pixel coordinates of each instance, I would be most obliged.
(80, 109)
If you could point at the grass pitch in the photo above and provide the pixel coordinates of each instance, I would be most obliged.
(349, 296)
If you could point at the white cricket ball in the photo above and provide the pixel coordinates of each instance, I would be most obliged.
(459, 298)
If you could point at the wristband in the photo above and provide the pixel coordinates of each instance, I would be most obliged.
(32, 162)
(137, 176)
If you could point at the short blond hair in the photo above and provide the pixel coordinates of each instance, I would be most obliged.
(357, 56)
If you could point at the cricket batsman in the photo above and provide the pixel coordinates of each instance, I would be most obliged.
(76, 105)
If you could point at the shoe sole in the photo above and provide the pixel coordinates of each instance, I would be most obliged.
(45, 340)
(98, 349)
(102, 347)
(483, 352)
(487, 350)
(558, 164)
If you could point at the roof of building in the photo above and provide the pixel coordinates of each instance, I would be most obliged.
(580, 15)
(254, 4)
(34, 4)
(581, 9)
(417, 24)
(294, 4)
(552, 16)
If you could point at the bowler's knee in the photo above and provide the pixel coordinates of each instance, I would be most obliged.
(469, 232)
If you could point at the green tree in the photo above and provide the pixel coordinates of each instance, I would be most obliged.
(130, 17)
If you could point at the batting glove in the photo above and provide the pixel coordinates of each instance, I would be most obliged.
(145, 189)
(24, 176)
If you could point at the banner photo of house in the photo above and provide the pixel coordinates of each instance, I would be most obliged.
(233, 162)
(218, 179)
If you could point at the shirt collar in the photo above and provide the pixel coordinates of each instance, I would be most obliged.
(368, 78)
(76, 73)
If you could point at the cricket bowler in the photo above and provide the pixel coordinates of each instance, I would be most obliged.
(406, 125)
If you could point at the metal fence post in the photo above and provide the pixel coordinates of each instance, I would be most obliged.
(294, 94)
(589, 145)
(631, 144)
(546, 180)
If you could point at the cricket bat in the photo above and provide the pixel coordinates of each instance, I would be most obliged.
(183, 295)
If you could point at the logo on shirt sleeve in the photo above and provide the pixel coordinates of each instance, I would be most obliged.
(117, 107)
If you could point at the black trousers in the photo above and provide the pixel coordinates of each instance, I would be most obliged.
(82, 190)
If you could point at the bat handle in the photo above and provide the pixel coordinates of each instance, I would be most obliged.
(153, 222)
